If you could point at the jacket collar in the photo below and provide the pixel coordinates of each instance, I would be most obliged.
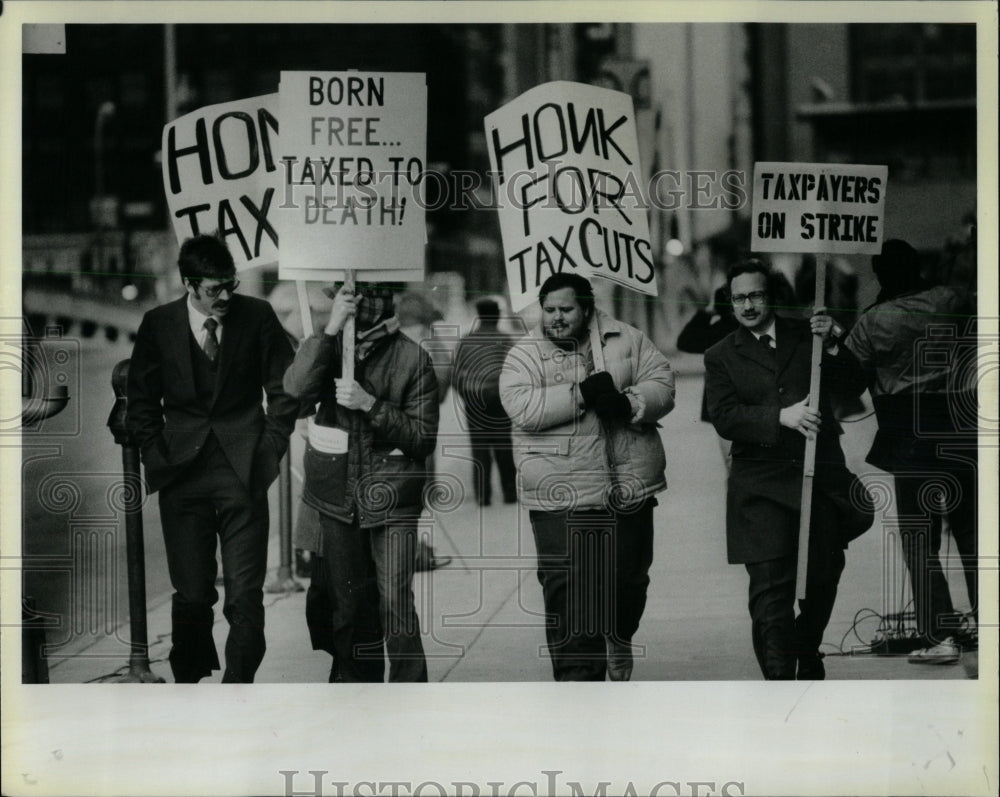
(609, 327)
(788, 335)
(179, 343)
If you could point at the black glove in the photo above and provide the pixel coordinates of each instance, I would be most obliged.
(614, 407)
(595, 386)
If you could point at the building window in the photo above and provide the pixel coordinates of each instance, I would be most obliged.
(913, 63)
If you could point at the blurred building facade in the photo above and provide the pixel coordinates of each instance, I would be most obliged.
(903, 95)
(710, 100)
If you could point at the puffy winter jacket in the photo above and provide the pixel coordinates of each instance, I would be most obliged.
(382, 474)
(566, 457)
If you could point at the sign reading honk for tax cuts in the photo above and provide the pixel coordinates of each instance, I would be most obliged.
(565, 160)
(220, 175)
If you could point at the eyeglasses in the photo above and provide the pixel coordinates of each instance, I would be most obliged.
(756, 297)
(214, 291)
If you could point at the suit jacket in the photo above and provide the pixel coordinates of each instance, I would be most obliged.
(170, 424)
(746, 389)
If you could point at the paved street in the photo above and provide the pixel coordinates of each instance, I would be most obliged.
(482, 615)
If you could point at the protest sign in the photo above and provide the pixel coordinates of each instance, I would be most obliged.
(565, 160)
(822, 209)
(818, 207)
(352, 165)
(220, 174)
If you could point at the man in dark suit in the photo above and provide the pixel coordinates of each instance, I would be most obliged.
(757, 381)
(199, 370)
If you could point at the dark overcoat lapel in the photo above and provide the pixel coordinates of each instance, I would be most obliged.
(748, 347)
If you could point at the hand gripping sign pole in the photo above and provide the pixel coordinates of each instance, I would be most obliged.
(809, 461)
(821, 209)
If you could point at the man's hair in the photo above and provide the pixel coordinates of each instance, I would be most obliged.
(205, 257)
(897, 260)
(773, 280)
(897, 268)
(581, 287)
(751, 266)
(488, 309)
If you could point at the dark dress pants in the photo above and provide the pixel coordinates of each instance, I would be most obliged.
(209, 501)
(783, 643)
(360, 604)
(488, 445)
(920, 534)
(594, 570)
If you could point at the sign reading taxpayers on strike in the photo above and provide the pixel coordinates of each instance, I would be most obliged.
(352, 168)
(220, 175)
(565, 158)
(818, 207)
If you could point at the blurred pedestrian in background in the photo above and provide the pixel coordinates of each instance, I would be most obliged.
(478, 363)
(703, 330)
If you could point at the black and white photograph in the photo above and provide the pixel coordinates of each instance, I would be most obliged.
(386, 366)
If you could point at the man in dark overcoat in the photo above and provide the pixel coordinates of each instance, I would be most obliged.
(757, 384)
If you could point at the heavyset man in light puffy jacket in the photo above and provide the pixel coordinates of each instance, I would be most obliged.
(589, 460)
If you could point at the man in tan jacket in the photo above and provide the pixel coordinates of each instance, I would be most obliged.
(590, 460)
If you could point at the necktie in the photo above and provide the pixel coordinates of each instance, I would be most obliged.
(211, 346)
(765, 341)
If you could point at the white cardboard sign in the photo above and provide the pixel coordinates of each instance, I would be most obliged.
(569, 190)
(220, 175)
(818, 207)
(352, 160)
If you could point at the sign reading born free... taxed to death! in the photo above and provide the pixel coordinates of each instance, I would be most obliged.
(352, 163)
(220, 175)
(565, 160)
(818, 208)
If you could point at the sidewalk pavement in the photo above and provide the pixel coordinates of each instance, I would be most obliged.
(482, 616)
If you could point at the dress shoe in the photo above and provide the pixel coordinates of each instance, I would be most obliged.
(619, 661)
(946, 652)
(967, 640)
(811, 668)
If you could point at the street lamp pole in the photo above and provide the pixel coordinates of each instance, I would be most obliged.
(106, 110)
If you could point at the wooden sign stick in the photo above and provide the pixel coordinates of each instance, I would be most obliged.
(596, 350)
(347, 361)
(304, 309)
(809, 463)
